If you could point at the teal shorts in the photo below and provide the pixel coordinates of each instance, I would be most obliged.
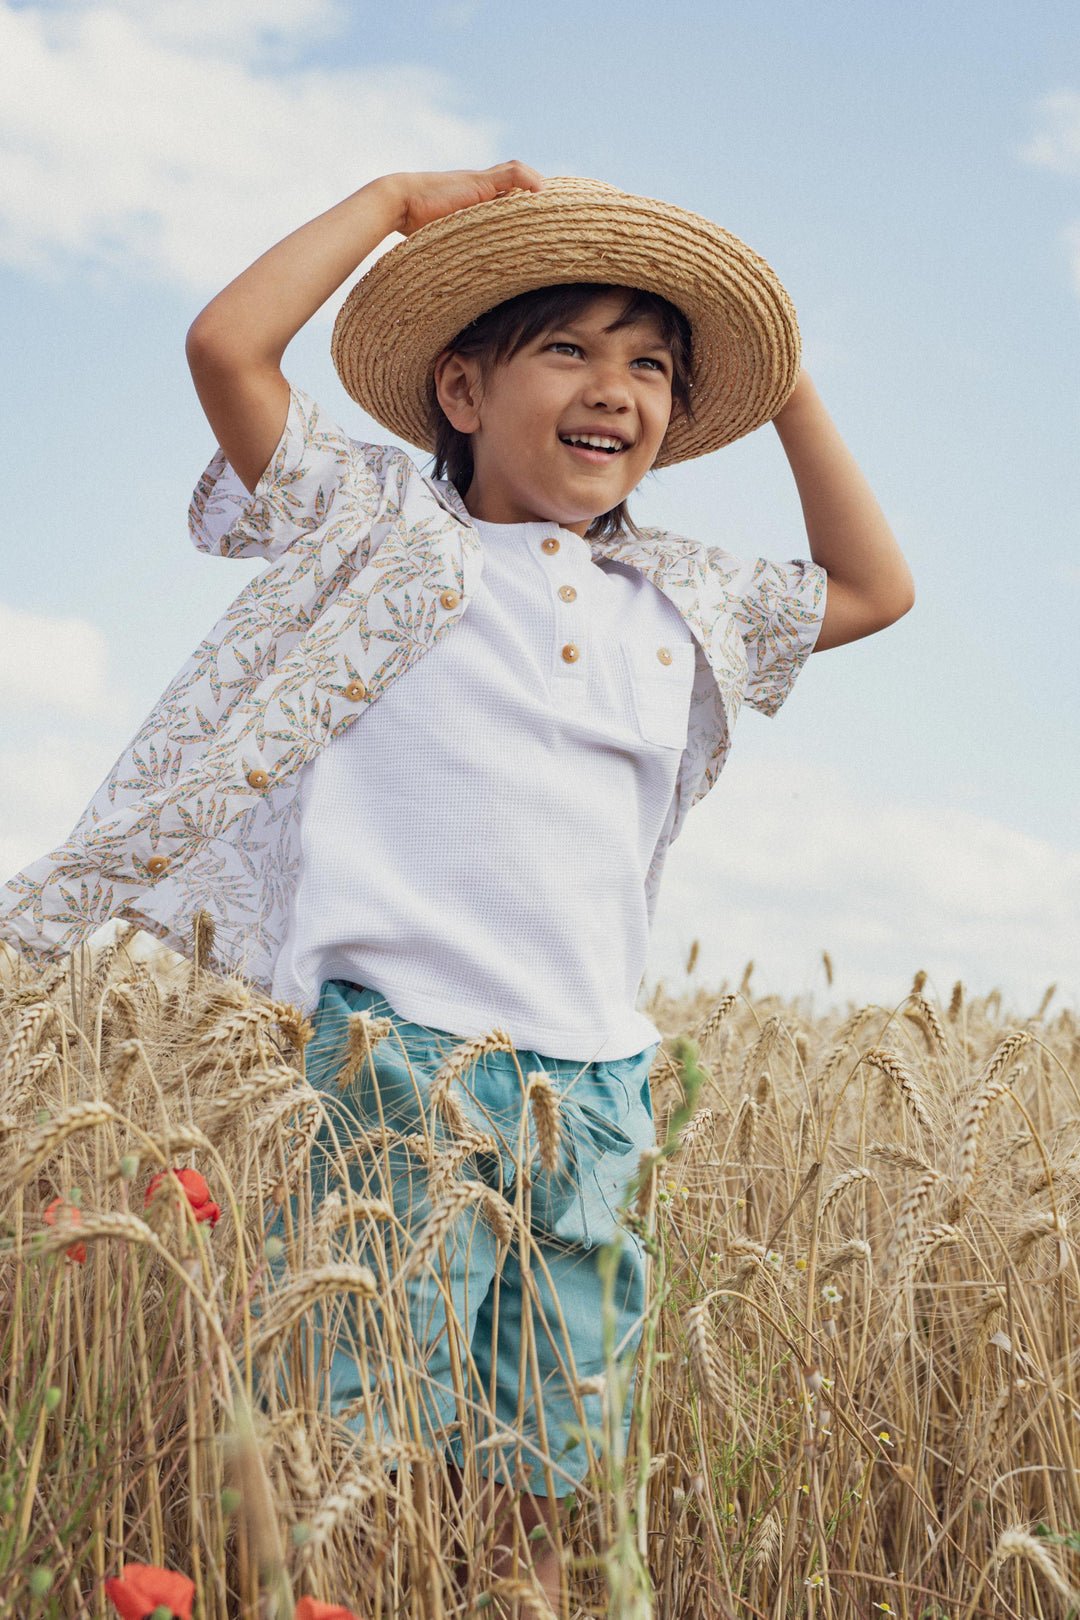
(519, 1390)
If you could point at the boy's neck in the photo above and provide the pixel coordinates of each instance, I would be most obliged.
(499, 509)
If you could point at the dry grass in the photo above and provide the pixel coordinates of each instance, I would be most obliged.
(857, 1390)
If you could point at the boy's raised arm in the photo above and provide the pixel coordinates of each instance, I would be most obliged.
(235, 346)
(870, 584)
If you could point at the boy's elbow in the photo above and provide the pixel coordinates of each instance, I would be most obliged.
(206, 346)
(903, 602)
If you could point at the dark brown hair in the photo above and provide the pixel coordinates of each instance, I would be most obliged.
(500, 333)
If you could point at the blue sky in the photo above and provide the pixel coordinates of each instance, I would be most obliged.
(913, 174)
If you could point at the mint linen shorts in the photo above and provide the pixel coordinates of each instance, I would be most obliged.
(500, 1344)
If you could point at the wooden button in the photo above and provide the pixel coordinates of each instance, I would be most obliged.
(156, 865)
(257, 779)
(664, 654)
(570, 653)
(356, 691)
(450, 599)
(568, 593)
(550, 545)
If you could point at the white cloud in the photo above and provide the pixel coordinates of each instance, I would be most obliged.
(56, 664)
(184, 139)
(1057, 143)
(779, 869)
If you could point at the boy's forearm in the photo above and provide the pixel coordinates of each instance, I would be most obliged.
(846, 528)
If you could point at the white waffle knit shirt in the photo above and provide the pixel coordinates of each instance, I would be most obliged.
(475, 846)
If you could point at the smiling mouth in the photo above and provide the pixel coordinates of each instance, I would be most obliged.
(594, 441)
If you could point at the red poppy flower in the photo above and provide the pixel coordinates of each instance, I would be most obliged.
(196, 1190)
(308, 1608)
(139, 1589)
(77, 1251)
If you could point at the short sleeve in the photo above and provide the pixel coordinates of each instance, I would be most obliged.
(778, 608)
(294, 495)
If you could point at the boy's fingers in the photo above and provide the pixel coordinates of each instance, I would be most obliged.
(517, 176)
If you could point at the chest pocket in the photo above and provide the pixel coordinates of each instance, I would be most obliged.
(661, 680)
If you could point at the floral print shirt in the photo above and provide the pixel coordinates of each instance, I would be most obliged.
(370, 563)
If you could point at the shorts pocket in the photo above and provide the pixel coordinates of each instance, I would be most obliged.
(661, 688)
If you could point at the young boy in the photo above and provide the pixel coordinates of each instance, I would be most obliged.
(483, 845)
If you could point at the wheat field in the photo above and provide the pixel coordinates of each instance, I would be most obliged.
(857, 1389)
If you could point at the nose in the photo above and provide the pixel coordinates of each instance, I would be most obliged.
(607, 388)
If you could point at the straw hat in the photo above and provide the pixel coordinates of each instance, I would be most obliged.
(400, 316)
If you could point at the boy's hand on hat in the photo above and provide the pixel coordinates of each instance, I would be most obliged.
(427, 197)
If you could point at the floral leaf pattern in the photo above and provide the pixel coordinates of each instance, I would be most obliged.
(201, 810)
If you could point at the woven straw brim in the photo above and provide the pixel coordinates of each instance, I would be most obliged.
(404, 312)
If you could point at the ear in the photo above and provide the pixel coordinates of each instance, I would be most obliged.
(458, 390)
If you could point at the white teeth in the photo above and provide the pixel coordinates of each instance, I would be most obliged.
(594, 441)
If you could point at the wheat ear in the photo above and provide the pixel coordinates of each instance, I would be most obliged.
(711, 1024)
(1016, 1542)
(854, 1249)
(458, 1197)
(292, 1302)
(545, 1112)
(850, 1178)
(28, 1032)
(81, 1116)
(889, 1064)
(765, 1546)
(897, 1154)
(703, 1358)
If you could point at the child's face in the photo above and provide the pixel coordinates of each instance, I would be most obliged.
(580, 379)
